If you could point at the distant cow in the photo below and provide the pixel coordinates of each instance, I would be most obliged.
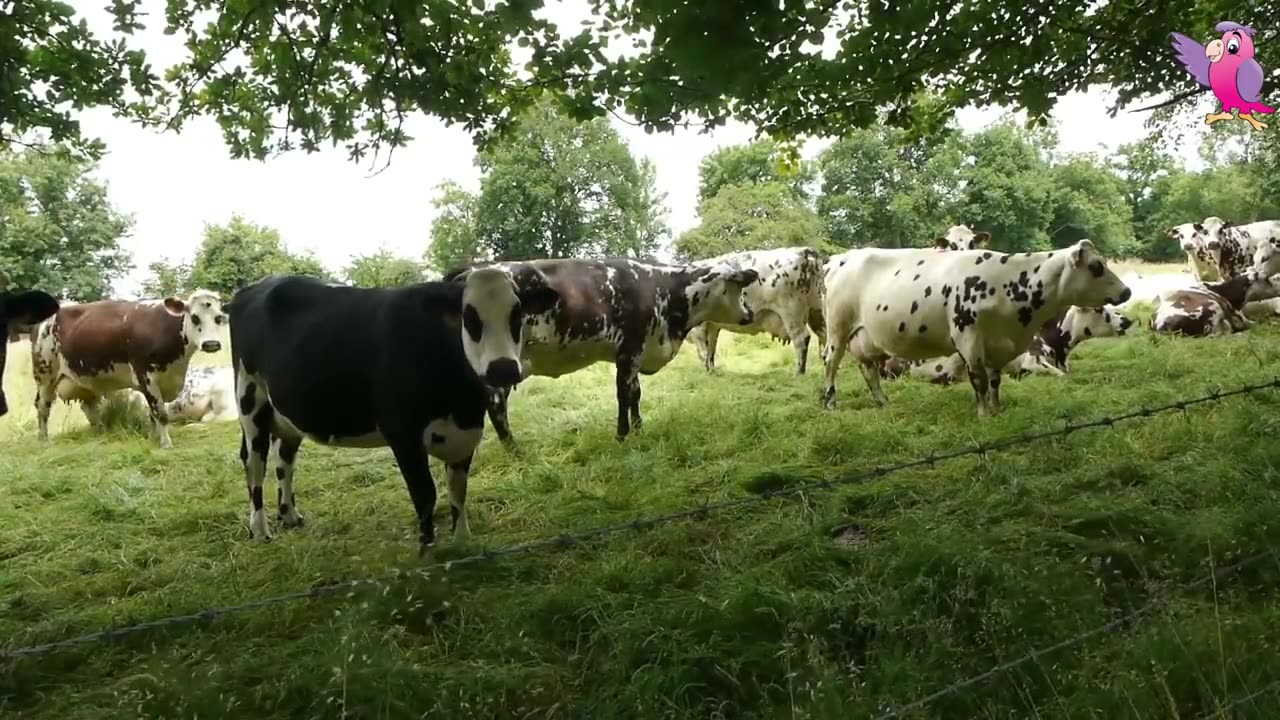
(1046, 355)
(88, 350)
(19, 309)
(960, 237)
(208, 394)
(1233, 247)
(361, 367)
(786, 300)
(1191, 239)
(986, 306)
(1212, 309)
(633, 314)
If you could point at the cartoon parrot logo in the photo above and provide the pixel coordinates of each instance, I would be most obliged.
(1227, 67)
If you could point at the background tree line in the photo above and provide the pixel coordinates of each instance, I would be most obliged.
(558, 187)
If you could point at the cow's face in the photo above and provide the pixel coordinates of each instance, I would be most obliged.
(19, 310)
(715, 294)
(1185, 235)
(493, 313)
(960, 237)
(202, 319)
(1092, 322)
(1266, 259)
(1088, 281)
(1208, 234)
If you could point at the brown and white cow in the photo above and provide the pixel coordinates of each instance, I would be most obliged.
(18, 311)
(786, 300)
(1212, 309)
(633, 314)
(88, 350)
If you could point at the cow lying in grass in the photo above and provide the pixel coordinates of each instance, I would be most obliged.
(1213, 309)
(986, 306)
(1047, 354)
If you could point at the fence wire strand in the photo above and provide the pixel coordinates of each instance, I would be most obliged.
(704, 511)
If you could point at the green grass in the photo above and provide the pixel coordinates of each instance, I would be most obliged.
(832, 605)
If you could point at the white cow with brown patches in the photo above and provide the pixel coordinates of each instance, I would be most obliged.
(1213, 309)
(786, 299)
(984, 305)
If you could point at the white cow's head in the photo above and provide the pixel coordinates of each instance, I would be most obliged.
(1186, 235)
(493, 313)
(1088, 281)
(1266, 259)
(715, 294)
(202, 319)
(1209, 234)
(1082, 323)
(960, 237)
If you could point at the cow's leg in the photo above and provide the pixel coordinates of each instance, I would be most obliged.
(411, 457)
(498, 415)
(150, 387)
(457, 474)
(628, 386)
(256, 419)
(709, 336)
(44, 368)
(636, 420)
(797, 330)
(871, 371)
(837, 343)
(286, 452)
(993, 390)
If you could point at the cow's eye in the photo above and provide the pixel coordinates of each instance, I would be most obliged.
(471, 321)
(1095, 268)
(195, 320)
(517, 319)
(219, 319)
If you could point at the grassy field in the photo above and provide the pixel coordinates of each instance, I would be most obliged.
(834, 605)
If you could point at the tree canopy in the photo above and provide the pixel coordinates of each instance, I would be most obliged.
(301, 75)
(554, 188)
(383, 269)
(230, 257)
(756, 162)
(58, 229)
(757, 216)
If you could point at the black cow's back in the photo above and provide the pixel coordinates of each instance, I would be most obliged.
(347, 361)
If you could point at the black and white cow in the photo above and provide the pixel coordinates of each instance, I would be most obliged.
(961, 237)
(786, 299)
(633, 314)
(1233, 247)
(1190, 238)
(409, 368)
(1047, 354)
(19, 311)
(987, 306)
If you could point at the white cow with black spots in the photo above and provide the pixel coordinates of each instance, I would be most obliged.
(1233, 248)
(786, 299)
(984, 305)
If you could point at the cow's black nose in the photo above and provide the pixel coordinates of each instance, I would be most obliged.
(211, 346)
(503, 372)
(1125, 324)
(1124, 297)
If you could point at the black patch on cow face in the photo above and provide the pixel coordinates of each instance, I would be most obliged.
(1096, 269)
(914, 307)
(195, 320)
(517, 323)
(928, 290)
(902, 327)
(471, 321)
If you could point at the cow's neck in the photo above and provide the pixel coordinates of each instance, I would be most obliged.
(1234, 291)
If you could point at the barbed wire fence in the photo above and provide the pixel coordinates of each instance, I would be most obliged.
(705, 510)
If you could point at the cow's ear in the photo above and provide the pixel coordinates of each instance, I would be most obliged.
(175, 306)
(981, 239)
(742, 278)
(940, 243)
(537, 300)
(30, 307)
(1080, 255)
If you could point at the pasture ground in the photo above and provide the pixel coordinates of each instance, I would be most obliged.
(835, 605)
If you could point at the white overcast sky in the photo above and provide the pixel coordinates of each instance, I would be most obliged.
(174, 183)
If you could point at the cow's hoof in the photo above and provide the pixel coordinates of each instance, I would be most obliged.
(293, 520)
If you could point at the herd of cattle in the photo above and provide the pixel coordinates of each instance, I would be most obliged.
(416, 369)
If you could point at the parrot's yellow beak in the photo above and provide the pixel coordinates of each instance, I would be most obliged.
(1214, 51)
